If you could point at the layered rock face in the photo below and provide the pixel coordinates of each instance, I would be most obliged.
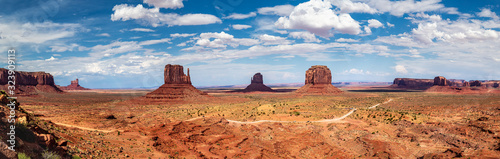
(318, 75)
(318, 81)
(412, 83)
(29, 82)
(174, 74)
(257, 84)
(27, 78)
(73, 86)
(177, 85)
(440, 81)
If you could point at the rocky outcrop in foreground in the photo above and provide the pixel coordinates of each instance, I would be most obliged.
(73, 86)
(29, 83)
(177, 85)
(319, 81)
(257, 84)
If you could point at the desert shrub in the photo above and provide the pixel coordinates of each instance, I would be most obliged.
(50, 155)
(22, 156)
(24, 133)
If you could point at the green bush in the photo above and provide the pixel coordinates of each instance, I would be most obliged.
(50, 155)
(22, 156)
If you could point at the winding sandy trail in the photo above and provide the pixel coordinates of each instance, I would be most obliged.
(376, 105)
(318, 121)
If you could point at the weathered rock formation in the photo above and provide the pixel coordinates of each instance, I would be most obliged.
(318, 75)
(466, 84)
(488, 83)
(475, 83)
(29, 83)
(318, 81)
(412, 83)
(440, 81)
(257, 84)
(174, 74)
(441, 85)
(455, 82)
(73, 86)
(177, 85)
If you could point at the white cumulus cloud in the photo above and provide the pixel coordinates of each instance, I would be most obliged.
(374, 23)
(488, 13)
(280, 10)
(240, 16)
(154, 18)
(307, 36)
(273, 40)
(346, 40)
(317, 17)
(168, 4)
(347, 6)
(221, 40)
(399, 8)
(240, 26)
(400, 69)
(355, 71)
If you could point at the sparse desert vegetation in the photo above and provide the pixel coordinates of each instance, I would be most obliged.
(403, 124)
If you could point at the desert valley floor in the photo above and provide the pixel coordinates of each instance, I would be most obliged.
(361, 122)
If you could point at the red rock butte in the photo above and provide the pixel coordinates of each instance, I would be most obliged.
(177, 85)
(29, 83)
(319, 81)
(73, 86)
(257, 84)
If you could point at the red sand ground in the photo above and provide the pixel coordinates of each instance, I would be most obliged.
(412, 125)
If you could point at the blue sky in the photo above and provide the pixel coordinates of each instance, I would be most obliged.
(126, 44)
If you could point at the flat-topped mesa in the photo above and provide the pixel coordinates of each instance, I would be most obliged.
(412, 83)
(440, 81)
(29, 82)
(27, 78)
(257, 84)
(174, 74)
(318, 81)
(177, 85)
(257, 78)
(318, 74)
